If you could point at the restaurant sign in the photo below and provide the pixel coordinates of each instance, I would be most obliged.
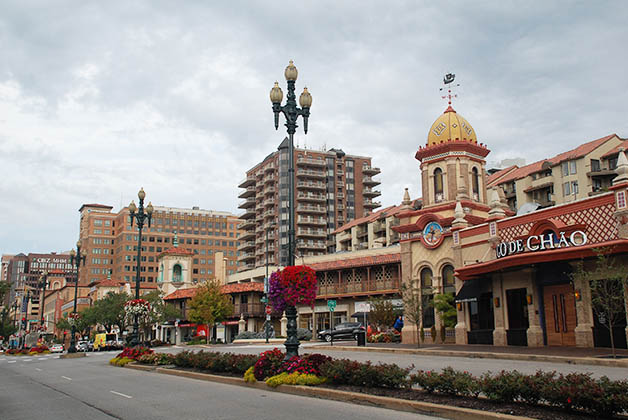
(541, 243)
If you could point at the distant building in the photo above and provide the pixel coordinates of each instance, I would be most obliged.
(331, 189)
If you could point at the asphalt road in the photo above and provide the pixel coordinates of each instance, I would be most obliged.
(429, 362)
(89, 388)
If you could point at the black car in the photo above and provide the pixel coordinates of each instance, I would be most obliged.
(342, 330)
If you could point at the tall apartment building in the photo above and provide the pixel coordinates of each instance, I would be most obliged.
(331, 189)
(110, 242)
(578, 173)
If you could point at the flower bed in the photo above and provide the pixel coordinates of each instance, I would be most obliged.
(546, 394)
(391, 336)
(130, 354)
(33, 351)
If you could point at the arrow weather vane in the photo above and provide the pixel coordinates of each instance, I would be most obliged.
(448, 84)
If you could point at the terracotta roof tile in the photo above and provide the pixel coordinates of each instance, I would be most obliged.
(615, 149)
(383, 213)
(176, 251)
(497, 175)
(182, 294)
(242, 287)
(356, 262)
(578, 152)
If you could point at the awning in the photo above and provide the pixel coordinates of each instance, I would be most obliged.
(469, 291)
(359, 315)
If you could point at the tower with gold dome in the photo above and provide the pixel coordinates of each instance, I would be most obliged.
(452, 162)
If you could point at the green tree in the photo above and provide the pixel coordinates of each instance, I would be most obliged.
(382, 313)
(109, 311)
(412, 308)
(7, 326)
(608, 280)
(4, 289)
(210, 305)
(160, 311)
(444, 305)
(63, 324)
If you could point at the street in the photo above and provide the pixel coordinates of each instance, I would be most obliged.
(89, 388)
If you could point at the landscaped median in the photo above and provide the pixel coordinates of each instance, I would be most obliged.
(33, 351)
(449, 393)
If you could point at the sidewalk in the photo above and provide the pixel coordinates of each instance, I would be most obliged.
(572, 355)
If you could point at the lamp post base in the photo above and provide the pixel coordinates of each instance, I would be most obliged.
(292, 343)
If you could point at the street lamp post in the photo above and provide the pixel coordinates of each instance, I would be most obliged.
(75, 258)
(141, 217)
(291, 112)
(43, 283)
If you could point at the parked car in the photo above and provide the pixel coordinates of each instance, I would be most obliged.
(343, 330)
(56, 348)
(84, 346)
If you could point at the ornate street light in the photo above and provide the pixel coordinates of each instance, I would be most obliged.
(141, 216)
(75, 258)
(291, 112)
(43, 283)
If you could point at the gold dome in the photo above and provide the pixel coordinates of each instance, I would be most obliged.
(450, 127)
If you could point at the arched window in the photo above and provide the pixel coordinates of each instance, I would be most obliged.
(438, 185)
(176, 274)
(475, 183)
(160, 278)
(448, 279)
(427, 297)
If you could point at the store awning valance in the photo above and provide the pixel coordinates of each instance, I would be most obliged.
(469, 291)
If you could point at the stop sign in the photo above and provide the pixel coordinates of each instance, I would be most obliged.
(269, 310)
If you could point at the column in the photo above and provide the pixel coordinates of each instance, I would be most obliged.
(535, 332)
(499, 333)
(584, 314)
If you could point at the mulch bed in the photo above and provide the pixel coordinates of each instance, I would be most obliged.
(545, 413)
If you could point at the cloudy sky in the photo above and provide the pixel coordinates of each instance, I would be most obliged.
(100, 98)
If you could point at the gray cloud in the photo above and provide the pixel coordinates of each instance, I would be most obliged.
(100, 98)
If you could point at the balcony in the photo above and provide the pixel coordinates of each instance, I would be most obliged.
(370, 170)
(247, 234)
(248, 213)
(249, 202)
(340, 195)
(269, 202)
(246, 256)
(245, 245)
(318, 245)
(247, 224)
(311, 185)
(310, 161)
(311, 209)
(369, 182)
(379, 225)
(311, 221)
(248, 309)
(310, 174)
(311, 197)
(246, 267)
(364, 287)
(270, 168)
(270, 179)
(270, 191)
(601, 172)
(311, 232)
(249, 180)
(248, 192)
(369, 204)
(369, 192)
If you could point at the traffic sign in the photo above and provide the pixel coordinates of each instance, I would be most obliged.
(331, 304)
(269, 310)
(264, 299)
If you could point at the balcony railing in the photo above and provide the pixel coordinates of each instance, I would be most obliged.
(310, 161)
(361, 287)
(252, 309)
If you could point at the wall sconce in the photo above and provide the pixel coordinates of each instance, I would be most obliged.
(577, 295)
(529, 299)
(496, 300)
(459, 306)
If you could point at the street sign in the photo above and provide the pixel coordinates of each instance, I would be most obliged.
(331, 304)
(264, 299)
(269, 310)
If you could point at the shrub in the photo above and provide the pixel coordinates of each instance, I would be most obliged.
(433, 333)
(120, 361)
(427, 380)
(349, 372)
(249, 375)
(157, 359)
(390, 336)
(503, 387)
(134, 353)
(269, 364)
(294, 378)
(422, 334)
(317, 360)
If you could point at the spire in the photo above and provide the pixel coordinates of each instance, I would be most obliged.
(459, 220)
(496, 210)
(622, 168)
(175, 241)
(406, 199)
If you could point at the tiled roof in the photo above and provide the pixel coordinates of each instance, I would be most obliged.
(242, 287)
(497, 175)
(182, 294)
(356, 262)
(576, 153)
(615, 149)
(111, 283)
(177, 251)
(383, 213)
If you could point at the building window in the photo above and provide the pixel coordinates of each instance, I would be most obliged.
(565, 167)
(572, 167)
(448, 279)
(427, 298)
(475, 183)
(566, 189)
(595, 165)
(438, 184)
(176, 273)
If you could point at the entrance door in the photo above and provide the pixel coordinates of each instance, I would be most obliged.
(518, 323)
(560, 315)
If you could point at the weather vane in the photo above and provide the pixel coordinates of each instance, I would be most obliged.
(448, 85)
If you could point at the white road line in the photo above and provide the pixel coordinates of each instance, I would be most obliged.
(12, 361)
(65, 377)
(38, 369)
(120, 394)
(43, 358)
(26, 360)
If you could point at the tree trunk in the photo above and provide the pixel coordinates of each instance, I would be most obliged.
(418, 338)
(610, 329)
(207, 334)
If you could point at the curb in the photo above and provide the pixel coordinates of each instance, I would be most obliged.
(477, 355)
(450, 412)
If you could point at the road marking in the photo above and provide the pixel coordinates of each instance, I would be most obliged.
(43, 358)
(12, 361)
(65, 377)
(38, 369)
(26, 360)
(120, 394)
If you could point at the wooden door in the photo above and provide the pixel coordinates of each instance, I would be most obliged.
(560, 315)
